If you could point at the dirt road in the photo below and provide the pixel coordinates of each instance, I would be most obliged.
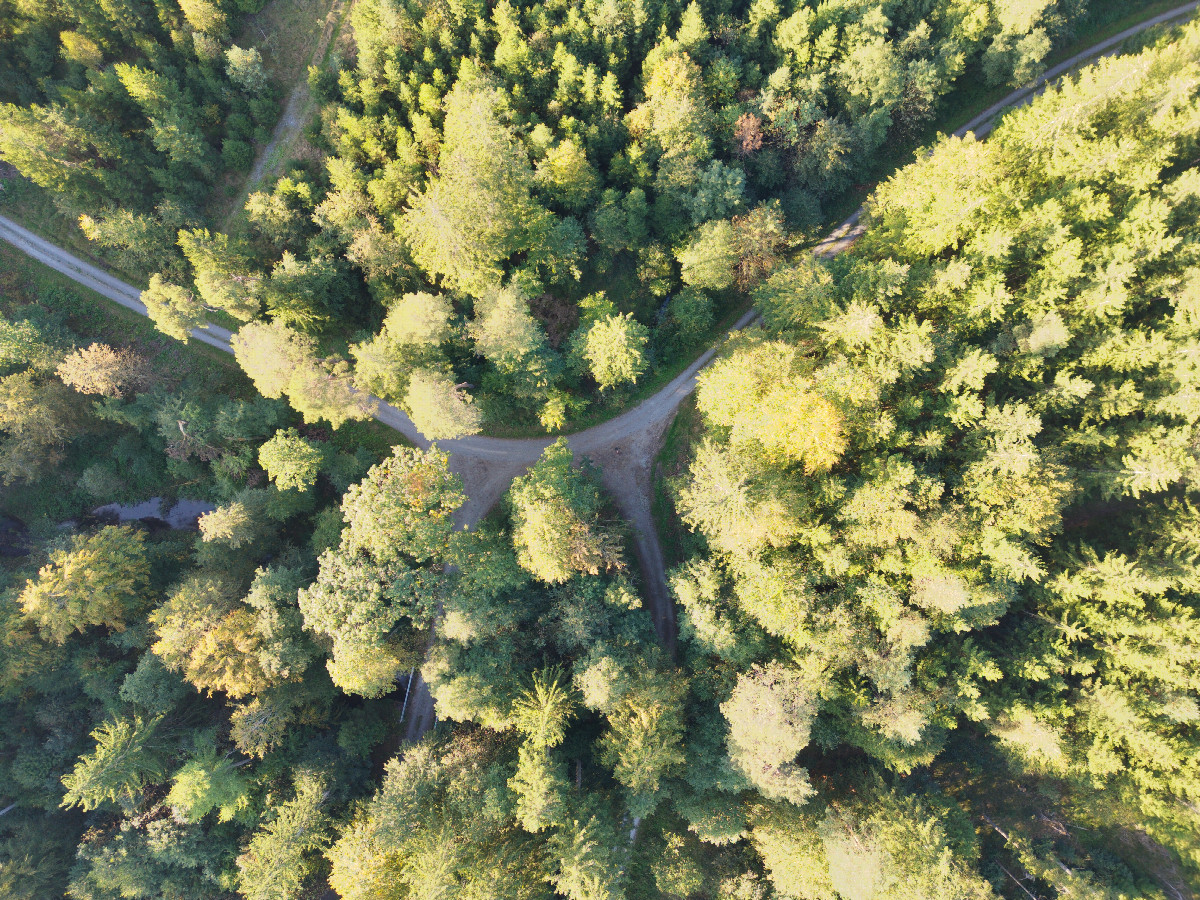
(97, 279)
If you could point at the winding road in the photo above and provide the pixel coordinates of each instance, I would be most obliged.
(623, 448)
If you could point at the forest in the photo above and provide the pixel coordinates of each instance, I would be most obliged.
(519, 213)
(931, 521)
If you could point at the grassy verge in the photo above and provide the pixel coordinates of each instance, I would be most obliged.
(289, 35)
(31, 206)
(678, 541)
(26, 282)
(374, 436)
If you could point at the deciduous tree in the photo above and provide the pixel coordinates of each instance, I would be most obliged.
(556, 520)
(614, 350)
(99, 369)
(291, 461)
(205, 633)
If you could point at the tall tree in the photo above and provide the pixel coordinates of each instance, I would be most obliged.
(205, 633)
(614, 350)
(129, 755)
(368, 599)
(478, 211)
(99, 579)
(291, 461)
(556, 517)
(280, 360)
(281, 855)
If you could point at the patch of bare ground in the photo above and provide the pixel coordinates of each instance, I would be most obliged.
(558, 316)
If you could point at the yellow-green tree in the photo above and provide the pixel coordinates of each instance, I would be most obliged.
(205, 633)
(557, 528)
(98, 579)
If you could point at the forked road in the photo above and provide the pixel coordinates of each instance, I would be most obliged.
(624, 447)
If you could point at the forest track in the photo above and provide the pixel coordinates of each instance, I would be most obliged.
(625, 446)
(299, 109)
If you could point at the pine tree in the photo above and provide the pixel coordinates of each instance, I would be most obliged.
(281, 855)
(102, 579)
(129, 755)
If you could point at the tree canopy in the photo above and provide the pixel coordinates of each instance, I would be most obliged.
(929, 527)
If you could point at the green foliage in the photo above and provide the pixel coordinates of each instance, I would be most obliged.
(244, 68)
(236, 524)
(588, 860)
(398, 517)
(709, 260)
(543, 711)
(403, 506)
(437, 823)
(281, 855)
(139, 242)
(540, 787)
(644, 742)
(414, 331)
(205, 633)
(614, 350)
(224, 276)
(206, 782)
(285, 651)
(770, 717)
(100, 579)
(128, 756)
(478, 210)
(37, 418)
(949, 482)
(439, 408)
(470, 147)
(144, 858)
(557, 529)
(678, 873)
(938, 618)
(134, 134)
(291, 461)
(175, 310)
(281, 360)
(22, 347)
(878, 844)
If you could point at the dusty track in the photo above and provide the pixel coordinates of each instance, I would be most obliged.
(624, 447)
(299, 109)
